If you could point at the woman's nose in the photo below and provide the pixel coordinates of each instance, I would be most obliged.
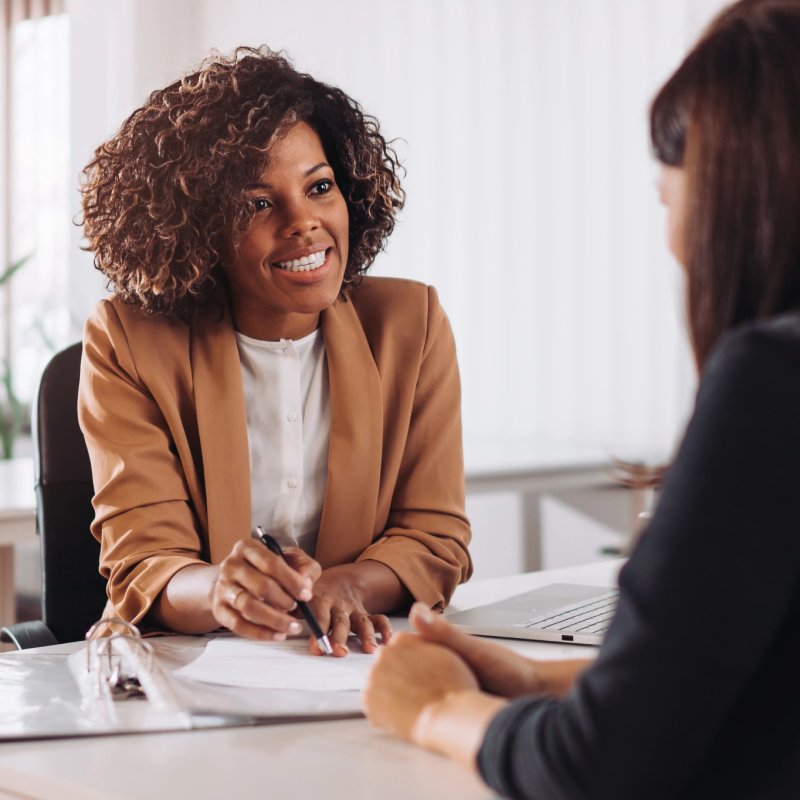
(300, 218)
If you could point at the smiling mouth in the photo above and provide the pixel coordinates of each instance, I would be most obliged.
(304, 264)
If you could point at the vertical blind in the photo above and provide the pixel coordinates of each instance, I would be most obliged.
(532, 207)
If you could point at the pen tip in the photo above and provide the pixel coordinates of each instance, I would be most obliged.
(325, 644)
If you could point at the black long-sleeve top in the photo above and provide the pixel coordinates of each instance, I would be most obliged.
(696, 690)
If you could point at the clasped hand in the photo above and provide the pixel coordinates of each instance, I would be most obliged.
(440, 687)
(256, 592)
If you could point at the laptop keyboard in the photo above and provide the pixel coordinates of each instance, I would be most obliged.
(586, 616)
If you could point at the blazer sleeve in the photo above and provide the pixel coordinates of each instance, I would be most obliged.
(143, 516)
(427, 532)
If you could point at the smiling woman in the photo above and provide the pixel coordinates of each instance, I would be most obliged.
(245, 373)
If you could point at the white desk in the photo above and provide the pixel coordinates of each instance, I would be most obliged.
(17, 524)
(534, 469)
(346, 759)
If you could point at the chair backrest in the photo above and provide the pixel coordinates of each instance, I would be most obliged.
(73, 593)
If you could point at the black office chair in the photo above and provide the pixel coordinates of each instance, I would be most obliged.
(73, 593)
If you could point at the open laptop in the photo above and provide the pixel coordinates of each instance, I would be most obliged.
(560, 612)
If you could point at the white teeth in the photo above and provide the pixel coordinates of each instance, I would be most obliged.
(304, 264)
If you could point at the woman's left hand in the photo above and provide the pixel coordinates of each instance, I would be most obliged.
(409, 676)
(340, 605)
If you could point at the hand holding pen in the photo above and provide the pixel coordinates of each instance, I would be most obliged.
(322, 640)
(257, 594)
(256, 591)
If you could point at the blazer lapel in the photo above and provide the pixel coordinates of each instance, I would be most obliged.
(222, 426)
(354, 457)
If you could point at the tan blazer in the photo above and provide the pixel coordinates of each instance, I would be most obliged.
(162, 408)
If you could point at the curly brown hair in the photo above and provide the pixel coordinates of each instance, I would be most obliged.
(164, 197)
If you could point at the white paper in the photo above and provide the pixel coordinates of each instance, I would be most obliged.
(276, 665)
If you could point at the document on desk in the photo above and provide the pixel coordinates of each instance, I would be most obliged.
(276, 665)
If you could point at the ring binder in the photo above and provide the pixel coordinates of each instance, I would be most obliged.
(123, 666)
(118, 682)
(105, 663)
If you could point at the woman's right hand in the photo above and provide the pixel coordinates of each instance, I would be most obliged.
(499, 671)
(255, 590)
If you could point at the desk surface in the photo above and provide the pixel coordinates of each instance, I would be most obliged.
(346, 759)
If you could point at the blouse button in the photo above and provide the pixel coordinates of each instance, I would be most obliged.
(291, 416)
(292, 483)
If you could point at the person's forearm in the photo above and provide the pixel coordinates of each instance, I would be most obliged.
(379, 588)
(455, 726)
(184, 604)
(556, 678)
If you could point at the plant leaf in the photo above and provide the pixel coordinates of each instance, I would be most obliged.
(11, 415)
(9, 273)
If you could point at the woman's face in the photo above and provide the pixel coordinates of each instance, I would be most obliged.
(672, 192)
(290, 263)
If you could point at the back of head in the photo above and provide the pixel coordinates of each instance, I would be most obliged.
(730, 116)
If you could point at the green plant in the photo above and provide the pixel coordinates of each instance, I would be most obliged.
(11, 414)
(11, 409)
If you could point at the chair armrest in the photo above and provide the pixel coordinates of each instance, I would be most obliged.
(25, 635)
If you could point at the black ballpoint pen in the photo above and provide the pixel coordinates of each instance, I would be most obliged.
(322, 640)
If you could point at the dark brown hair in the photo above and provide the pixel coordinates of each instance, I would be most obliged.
(730, 115)
(164, 197)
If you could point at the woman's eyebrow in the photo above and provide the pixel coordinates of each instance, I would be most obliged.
(315, 168)
(309, 171)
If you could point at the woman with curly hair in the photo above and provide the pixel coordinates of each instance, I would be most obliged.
(245, 373)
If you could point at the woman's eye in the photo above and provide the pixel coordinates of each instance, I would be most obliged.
(323, 187)
(261, 204)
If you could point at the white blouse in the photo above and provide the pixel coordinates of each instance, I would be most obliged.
(287, 398)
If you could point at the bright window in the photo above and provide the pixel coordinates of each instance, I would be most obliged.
(36, 212)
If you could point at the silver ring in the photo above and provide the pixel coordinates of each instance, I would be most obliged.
(233, 597)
